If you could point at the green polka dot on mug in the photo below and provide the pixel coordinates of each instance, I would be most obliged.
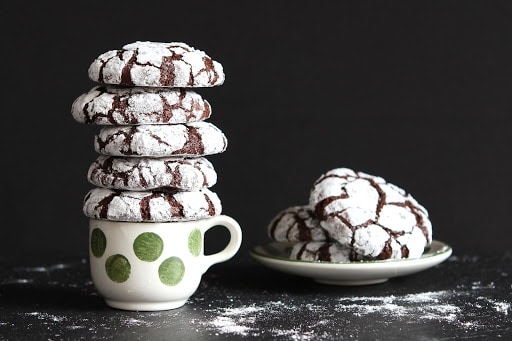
(118, 268)
(98, 242)
(195, 241)
(171, 271)
(148, 246)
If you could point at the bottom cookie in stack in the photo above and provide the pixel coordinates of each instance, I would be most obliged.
(354, 216)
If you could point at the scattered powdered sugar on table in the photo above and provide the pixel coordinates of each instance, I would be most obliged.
(457, 308)
(243, 320)
(427, 305)
(49, 268)
(469, 308)
(63, 322)
(237, 320)
(473, 307)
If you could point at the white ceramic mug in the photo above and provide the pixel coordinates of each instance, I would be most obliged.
(154, 266)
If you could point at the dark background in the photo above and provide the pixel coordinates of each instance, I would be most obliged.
(416, 92)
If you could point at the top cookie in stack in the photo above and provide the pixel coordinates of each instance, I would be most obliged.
(154, 137)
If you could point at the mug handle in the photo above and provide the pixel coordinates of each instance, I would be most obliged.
(235, 240)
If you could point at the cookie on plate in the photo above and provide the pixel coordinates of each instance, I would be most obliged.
(115, 105)
(325, 251)
(145, 206)
(143, 174)
(146, 63)
(374, 218)
(160, 140)
(296, 223)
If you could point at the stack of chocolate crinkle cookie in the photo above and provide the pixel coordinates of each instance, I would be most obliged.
(154, 135)
(353, 216)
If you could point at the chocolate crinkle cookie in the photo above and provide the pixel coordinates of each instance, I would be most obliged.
(296, 223)
(143, 174)
(156, 64)
(194, 139)
(353, 216)
(325, 251)
(111, 105)
(151, 206)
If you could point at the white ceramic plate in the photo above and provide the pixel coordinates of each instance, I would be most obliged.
(275, 255)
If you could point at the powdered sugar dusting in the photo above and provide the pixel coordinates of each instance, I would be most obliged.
(477, 306)
(141, 174)
(427, 305)
(457, 308)
(376, 219)
(173, 64)
(246, 320)
(502, 307)
(107, 204)
(107, 105)
(161, 140)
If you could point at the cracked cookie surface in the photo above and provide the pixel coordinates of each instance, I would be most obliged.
(146, 63)
(160, 140)
(115, 105)
(296, 223)
(325, 251)
(142, 174)
(155, 206)
(374, 218)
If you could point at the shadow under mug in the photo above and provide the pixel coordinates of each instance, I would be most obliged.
(154, 266)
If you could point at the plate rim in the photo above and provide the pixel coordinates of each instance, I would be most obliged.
(352, 273)
(437, 248)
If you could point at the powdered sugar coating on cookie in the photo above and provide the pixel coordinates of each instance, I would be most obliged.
(326, 251)
(161, 206)
(296, 223)
(110, 105)
(142, 174)
(374, 218)
(146, 63)
(184, 140)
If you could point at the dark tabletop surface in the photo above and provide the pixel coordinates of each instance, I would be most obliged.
(466, 297)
